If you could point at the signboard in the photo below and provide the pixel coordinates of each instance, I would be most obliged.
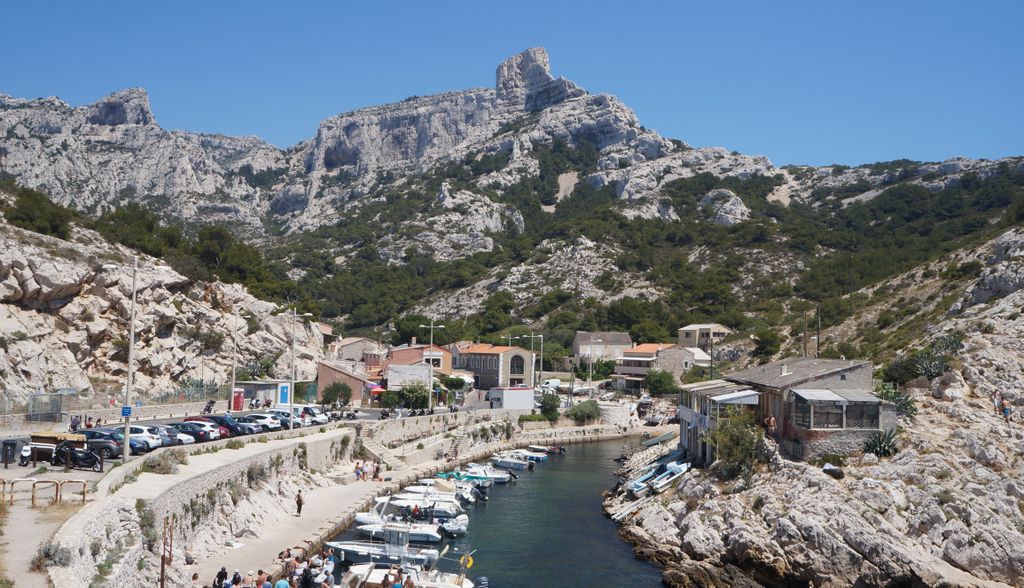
(126, 411)
(284, 393)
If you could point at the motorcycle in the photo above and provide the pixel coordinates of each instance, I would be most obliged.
(208, 409)
(351, 415)
(85, 459)
(26, 455)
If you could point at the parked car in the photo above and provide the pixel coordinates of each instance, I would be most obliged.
(247, 420)
(233, 425)
(166, 439)
(211, 428)
(286, 418)
(137, 445)
(222, 431)
(196, 431)
(152, 439)
(176, 436)
(103, 443)
(271, 422)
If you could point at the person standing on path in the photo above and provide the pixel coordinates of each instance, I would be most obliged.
(299, 501)
(996, 401)
(1006, 409)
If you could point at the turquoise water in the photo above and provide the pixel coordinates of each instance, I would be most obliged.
(547, 528)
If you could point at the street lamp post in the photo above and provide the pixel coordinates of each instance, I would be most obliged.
(234, 358)
(430, 360)
(291, 407)
(126, 453)
(533, 374)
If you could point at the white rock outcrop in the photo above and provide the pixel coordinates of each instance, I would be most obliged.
(726, 208)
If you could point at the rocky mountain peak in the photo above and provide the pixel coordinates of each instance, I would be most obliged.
(525, 81)
(127, 107)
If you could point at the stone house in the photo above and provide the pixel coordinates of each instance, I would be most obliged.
(496, 366)
(701, 405)
(702, 335)
(330, 372)
(632, 367)
(820, 405)
(353, 348)
(414, 353)
(605, 345)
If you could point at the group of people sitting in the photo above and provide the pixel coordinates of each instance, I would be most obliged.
(316, 571)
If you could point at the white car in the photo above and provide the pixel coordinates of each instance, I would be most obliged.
(152, 441)
(285, 417)
(212, 430)
(272, 422)
(179, 437)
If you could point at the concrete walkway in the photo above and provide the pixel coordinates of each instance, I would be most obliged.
(26, 529)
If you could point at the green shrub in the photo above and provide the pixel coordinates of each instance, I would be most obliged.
(532, 418)
(660, 382)
(830, 458)
(50, 554)
(904, 402)
(234, 444)
(549, 407)
(734, 438)
(585, 412)
(882, 444)
(33, 211)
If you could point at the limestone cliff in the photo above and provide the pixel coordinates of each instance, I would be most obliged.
(64, 310)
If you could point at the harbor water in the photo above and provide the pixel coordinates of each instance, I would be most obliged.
(548, 529)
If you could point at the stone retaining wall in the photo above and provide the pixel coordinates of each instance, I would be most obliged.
(394, 432)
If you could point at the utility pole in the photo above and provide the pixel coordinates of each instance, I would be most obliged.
(131, 368)
(291, 407)
(533, 374)
(817, 342)
(590, 358)
(805, 335)
(430, 360)
(234, 358)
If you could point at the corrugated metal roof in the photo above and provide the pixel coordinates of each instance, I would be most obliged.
(858, 396)
(818, 395)
(738, 397)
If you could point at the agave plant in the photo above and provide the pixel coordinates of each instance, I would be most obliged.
(882, 444)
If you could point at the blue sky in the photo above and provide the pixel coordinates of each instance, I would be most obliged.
(801, 82)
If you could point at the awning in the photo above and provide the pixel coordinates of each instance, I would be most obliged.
(738, 397)
(627, 358)
(819, 395)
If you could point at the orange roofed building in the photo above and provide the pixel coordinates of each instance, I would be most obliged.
(632, 367)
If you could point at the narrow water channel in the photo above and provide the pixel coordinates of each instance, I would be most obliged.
(547, 528)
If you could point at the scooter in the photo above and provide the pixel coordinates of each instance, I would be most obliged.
(26, 455)
(351, 415)
(208, 409)
(80, 458)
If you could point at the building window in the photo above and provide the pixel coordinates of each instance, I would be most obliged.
(862, 416)
(686, 335)
(842, 377)
(517, 365)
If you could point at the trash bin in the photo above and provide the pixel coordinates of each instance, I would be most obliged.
(10, 450)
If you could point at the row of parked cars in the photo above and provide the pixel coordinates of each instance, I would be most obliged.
(109, 442)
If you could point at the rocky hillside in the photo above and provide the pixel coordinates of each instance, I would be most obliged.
(532, 204)
(64, 310)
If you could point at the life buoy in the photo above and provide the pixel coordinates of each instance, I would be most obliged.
(467, 561)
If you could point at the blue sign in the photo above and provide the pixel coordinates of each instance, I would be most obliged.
(126, 411)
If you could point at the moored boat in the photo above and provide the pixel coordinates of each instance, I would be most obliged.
(508, 462)
(418, 532)
(672, 473)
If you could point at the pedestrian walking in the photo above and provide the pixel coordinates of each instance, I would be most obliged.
(376, 471)
(299, 501)
(1006, 409)
(996, 401)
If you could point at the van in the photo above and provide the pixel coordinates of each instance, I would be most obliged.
(551, 384)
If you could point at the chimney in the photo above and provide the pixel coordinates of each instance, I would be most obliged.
(785, 370)
(413, 342)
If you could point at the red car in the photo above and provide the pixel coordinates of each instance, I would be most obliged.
(224, 431)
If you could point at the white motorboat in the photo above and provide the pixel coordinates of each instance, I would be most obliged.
(372, 576)
(485, 471)
(507, 461)
(468, 491)
(534, 456)
(385, 512)
(395, 549)
(638, 485)
(438, 509)
(672, 473)
(418, 532)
